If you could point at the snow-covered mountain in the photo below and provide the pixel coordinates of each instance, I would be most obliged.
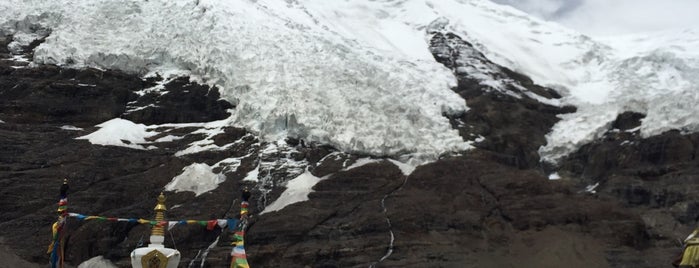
(359, 75)
(294, 100)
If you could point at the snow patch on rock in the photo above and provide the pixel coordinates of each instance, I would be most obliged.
(198, 178)
(297, 190)
(554, 176)
(209, 130)
(71, 128)
(120, 132)
(407, 169)
(361, 162)
(253, 175)
(97, 262)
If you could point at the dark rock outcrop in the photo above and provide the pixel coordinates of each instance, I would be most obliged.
(50, 94)
(654, 177)
(472, 211)
(180, 101)
(509, 119)
(341, 226)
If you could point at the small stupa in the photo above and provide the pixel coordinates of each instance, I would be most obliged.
(156, 255)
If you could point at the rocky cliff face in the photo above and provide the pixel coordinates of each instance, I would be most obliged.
(622, 201)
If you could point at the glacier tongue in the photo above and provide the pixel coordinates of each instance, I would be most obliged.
(656, 75)
(287, 72)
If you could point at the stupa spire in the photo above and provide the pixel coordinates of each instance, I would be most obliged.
(156, 255)
(159, 229)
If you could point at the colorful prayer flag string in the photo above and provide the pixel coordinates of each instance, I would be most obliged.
(209, 224)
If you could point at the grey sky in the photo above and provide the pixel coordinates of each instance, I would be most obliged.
(606, 17)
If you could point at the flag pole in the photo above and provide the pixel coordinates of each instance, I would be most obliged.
(239, 258)
(56, 248)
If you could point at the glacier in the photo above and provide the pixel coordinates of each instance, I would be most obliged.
(358, 75)
(287, 74)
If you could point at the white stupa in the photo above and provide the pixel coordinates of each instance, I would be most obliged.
(156, 255)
